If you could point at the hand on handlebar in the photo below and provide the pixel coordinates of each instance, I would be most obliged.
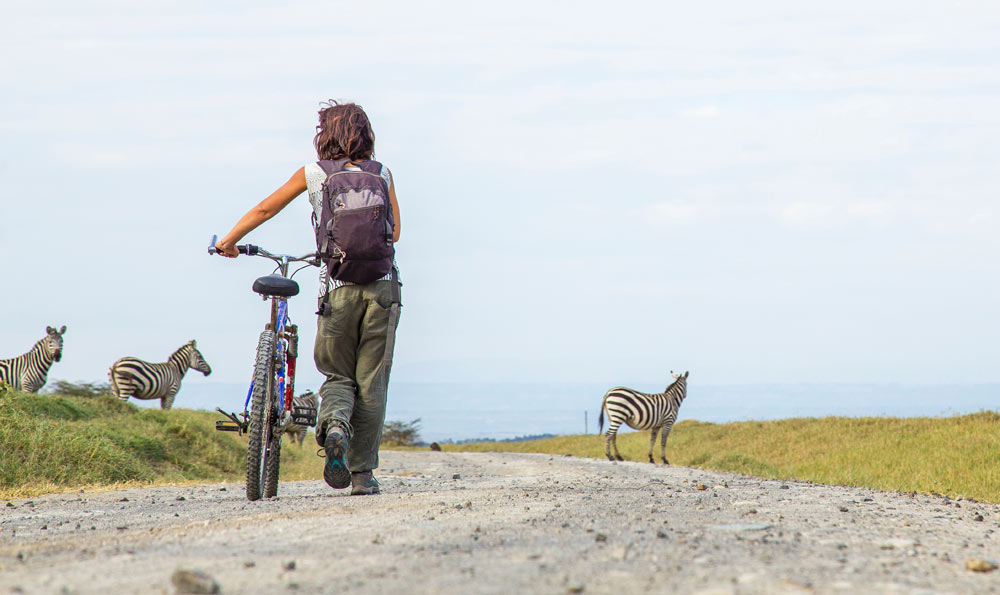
(228, 250)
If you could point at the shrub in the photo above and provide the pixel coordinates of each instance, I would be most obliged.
(401, 433)
(78, 389)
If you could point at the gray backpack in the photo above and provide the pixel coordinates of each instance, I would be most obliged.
(355, 225)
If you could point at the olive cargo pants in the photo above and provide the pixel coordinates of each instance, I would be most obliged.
(354, 344)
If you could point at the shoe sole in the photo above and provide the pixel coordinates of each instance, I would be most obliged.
(335, 472)
(366, 492)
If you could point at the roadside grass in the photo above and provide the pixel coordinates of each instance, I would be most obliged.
(952, 456)
(52, 443)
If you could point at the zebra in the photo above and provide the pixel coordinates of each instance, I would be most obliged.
(306, 399)
(133, 377)
(28, 372)
(642, 412)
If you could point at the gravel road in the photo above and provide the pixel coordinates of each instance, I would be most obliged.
(502, 523)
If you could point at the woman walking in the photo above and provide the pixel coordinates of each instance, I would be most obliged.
(359, 287)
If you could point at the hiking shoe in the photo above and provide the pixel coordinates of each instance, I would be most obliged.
(335, 471)
(363, 483)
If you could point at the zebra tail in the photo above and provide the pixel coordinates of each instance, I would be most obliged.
(111, 379)
(600, 417)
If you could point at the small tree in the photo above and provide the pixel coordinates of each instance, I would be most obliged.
(78, 389)
(401, 433)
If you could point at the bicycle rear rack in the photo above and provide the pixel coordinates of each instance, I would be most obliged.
(233, 424)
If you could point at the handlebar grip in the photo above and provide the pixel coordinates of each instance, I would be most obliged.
(248, 249)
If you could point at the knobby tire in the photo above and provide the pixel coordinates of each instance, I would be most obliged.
(273, 462)
(263, 380)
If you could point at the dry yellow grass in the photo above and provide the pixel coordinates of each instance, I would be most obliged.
(51, 443)
(957, 455)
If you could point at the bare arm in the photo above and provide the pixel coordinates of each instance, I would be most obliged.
(267, 208)
(395, 209)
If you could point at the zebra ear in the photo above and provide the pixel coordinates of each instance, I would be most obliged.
(686, 374)
(192, 343)
(62, 331)
(49, 330)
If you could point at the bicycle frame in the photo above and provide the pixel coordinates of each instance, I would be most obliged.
(272, 405)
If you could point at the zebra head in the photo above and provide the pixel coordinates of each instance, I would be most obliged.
(52, 344)
(197, 361)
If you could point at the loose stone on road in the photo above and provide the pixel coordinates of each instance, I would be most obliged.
(497, 523)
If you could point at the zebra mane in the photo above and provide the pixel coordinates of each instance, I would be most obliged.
(47, 358)
(181, 356)
(681, 394)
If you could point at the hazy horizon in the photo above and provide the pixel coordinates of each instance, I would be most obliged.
(504, 410)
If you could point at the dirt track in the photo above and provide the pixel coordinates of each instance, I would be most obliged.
(508, 523)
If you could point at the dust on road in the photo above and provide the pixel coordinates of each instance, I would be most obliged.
(502, 523)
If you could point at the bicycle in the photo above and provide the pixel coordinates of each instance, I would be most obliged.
(268, 406)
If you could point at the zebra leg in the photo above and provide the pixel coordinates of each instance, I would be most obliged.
(125, 391)
(168, 401)
(121, 385)
(611, 440)
(663, 446)
(652, 443)
(614, 444)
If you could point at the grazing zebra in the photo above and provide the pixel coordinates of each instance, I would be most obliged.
(132, 377)
(642, 412)
(28, 372)
(306, 399)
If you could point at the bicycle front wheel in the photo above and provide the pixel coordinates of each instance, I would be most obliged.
(260, 414)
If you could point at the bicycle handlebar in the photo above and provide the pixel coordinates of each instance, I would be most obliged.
(252, 250)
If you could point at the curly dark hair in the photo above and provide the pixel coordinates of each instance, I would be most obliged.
(344, 132)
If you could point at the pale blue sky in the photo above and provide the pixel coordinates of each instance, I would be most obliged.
(757, 192)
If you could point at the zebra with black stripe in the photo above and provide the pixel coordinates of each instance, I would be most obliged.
(29, 372)
(296, 431)
(133, 377)
(642, 411)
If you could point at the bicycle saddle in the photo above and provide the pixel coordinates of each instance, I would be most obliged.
(276, 285)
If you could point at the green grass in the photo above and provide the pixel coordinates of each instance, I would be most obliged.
(51, 443)
(944, 455)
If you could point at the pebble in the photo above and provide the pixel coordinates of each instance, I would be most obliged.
(194, 582)
(289, 565)
(979, 565)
